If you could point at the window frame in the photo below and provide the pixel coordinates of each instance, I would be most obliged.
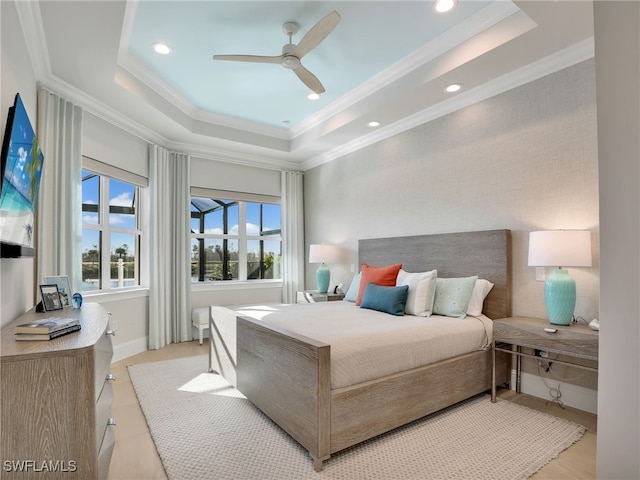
(241, 237)
(105, 173)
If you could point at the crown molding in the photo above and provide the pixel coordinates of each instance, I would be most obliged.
(565, 58)
(31, 24)
(486, 18)
(237, 158)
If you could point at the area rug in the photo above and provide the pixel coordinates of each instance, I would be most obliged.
(204, 428)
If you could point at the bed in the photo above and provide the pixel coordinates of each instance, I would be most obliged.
(288, 375)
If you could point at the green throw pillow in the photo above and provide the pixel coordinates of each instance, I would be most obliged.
(453, 295)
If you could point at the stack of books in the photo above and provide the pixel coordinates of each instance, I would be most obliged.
(46, 328)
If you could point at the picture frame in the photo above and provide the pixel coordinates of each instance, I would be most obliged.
(64, 290)
(50, 297)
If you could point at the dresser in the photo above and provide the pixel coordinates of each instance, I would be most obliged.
(56, 399)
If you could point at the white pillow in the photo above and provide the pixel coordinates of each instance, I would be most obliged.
(422, 290)
(352, 293)
(480, 291)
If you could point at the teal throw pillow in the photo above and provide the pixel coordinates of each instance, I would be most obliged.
(385, 299)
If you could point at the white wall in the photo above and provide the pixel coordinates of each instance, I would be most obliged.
(17, 293)
(617, 35)
(524, 160)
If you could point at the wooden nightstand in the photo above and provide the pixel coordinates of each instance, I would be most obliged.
(313, 296)
(576, 340)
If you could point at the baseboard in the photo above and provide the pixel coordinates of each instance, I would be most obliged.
(130, 348)
(139, 345)
(574, 396)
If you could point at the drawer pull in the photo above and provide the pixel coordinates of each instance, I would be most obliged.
(111, 332)
(111, 421)
(111, 376)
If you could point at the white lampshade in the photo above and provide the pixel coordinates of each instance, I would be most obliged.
(320, 253)
(560, 248)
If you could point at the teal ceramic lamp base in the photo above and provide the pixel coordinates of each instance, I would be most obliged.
(322, 278)
(560, 297)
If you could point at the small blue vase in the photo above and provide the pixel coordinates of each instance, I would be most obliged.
(76, 300)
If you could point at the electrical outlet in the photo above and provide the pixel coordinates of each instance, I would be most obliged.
(540, 274)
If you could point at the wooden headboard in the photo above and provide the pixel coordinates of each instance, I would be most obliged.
(485, 253)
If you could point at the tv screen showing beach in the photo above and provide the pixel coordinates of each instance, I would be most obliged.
(22, 167)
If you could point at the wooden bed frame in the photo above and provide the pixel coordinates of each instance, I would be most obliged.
(287, 376)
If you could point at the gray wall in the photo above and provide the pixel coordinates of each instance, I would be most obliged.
(523, 160)
(618, 76)
(17, 293)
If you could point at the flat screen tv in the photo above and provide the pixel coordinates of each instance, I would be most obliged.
(22, 162)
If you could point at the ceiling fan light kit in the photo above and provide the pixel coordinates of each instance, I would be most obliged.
(292, 54)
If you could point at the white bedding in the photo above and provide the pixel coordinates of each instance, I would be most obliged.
(367, 344)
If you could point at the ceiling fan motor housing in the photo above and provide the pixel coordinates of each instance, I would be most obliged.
(288, 60)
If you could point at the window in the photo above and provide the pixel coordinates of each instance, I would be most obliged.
(235, 240)
(110, 233)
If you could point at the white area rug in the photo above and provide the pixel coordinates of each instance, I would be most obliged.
(205, 429)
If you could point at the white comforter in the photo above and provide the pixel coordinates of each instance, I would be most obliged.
(366, 344)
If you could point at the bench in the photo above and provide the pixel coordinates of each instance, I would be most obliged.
(200, 320)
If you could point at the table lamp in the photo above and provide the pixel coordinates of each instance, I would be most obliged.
(323, 254)
(560, 248)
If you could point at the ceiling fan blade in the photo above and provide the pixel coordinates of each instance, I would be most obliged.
(317, 34)
(309, 79)
(250, 58)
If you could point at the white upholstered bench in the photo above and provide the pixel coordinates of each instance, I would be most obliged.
(200, 320)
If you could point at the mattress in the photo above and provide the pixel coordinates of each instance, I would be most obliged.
(367, 344)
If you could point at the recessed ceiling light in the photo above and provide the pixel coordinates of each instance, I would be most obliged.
(454, 87)
(161, 48)
(443, 6)
(374, 123)
(313, 96)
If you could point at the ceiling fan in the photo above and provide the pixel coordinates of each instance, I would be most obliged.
(292, 53)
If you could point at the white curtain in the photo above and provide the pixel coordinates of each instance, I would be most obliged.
(170, 267)
(59, 225)
(293, 235)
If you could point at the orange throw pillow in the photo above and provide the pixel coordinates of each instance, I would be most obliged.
(385, 276)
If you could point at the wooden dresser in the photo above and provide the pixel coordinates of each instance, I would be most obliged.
(55, 400)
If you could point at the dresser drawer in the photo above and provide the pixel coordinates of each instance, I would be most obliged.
(106, 450)
(103, 412)
(103, 351)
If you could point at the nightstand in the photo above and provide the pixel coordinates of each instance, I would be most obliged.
(577, 341)
(313, 296)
